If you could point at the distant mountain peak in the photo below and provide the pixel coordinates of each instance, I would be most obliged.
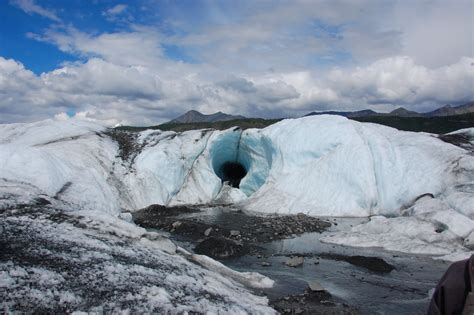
(193, 116)
(403, 112)
(400, 110)
(447, 110)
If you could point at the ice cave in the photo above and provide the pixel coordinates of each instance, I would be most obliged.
(241, 159)
(232, 172)
(230, 163)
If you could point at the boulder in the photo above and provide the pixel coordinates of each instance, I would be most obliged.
(208, 231)
(296, 261)
(315, 286)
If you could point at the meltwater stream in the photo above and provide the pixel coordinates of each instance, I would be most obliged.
(405, 290)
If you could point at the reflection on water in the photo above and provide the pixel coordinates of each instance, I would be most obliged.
(402, 291)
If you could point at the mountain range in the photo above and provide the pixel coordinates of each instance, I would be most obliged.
(446, 110)
(193, 116)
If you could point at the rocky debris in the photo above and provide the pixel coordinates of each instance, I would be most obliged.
(296, 261)
(126, 216)
(374, 264)
(220, 248)
(310, 302)
(462, 140)
(234, 233)
(127, 142)
(176, 224)
(315, 286)
(250, 230)
(234, 224)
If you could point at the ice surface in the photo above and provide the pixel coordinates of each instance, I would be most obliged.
(319, 165)
(66, 161)
(250, 279)
(403, 234)
(84, 262)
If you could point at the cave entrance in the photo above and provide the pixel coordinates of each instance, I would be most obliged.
(232, 172)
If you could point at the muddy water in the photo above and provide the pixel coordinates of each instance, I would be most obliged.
(405, 290)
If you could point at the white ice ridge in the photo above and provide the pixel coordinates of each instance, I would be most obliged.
(319, 165)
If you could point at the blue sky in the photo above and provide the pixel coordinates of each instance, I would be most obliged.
(145, 61)
(15, 24)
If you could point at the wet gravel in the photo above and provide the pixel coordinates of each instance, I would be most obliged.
(222, 224)
(310, 302)
(227, 234)
(288, 250)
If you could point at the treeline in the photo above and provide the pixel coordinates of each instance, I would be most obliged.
(439, 125)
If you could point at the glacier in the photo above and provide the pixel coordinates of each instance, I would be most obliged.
(416, 188)
(91, 263)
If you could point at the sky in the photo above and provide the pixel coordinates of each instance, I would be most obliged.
(144, 62)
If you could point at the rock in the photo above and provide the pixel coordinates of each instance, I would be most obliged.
(158, 241)
(371, 263)
(301, 216)
(265, 264)
(295, 261)
(208, 231)
(469, 241)
(153, 236)
(315, 286)
(234, 233)
(126, 216)
(220, 248)
(176, 224)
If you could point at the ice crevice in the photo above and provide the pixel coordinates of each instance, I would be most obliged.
(194, 160)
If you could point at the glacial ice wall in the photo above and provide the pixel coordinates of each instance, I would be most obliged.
(326, 165)
(334, 166)
(319, 165)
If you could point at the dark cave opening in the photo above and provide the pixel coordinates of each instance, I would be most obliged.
(232, 172)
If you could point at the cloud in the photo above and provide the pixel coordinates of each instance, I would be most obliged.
(436, 32)
(101, 90)
(22, 94)
(291, 36)
(238, 84)
(141, 46)
(256, 59)
(30, 7)
(97, 77)
(115, 10)
(118, 13)
(400, 81)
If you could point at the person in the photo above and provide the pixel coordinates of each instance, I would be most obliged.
(454, 292)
